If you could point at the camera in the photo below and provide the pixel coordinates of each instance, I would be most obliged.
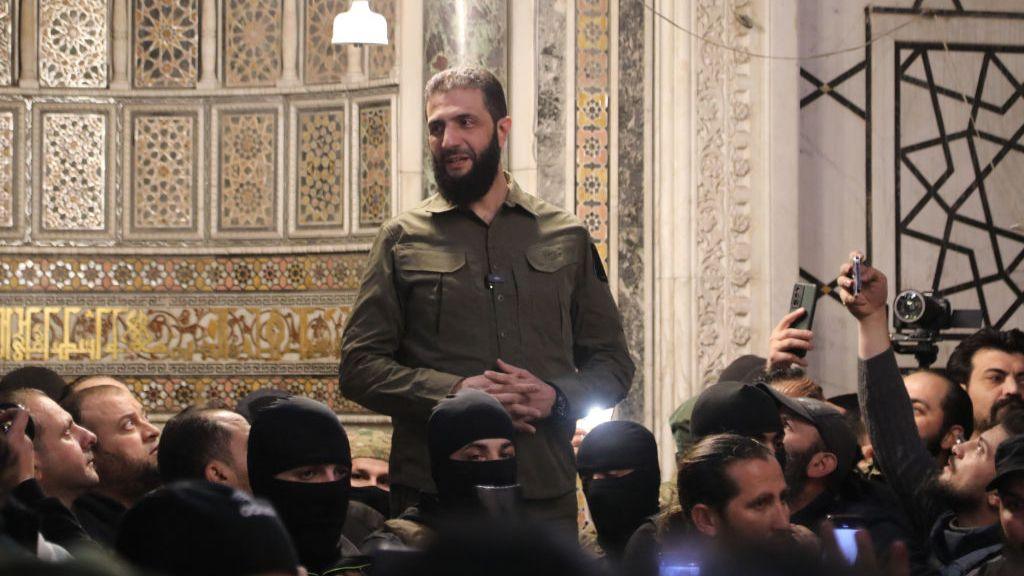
(920, 320)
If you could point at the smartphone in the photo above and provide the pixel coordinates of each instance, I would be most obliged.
(679, 569)
(857, 261)
(846, 527)
(5, 426)
(804, 296)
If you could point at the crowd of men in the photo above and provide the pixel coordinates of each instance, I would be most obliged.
(485, 328)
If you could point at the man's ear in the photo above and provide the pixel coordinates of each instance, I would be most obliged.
(705, 519)
(503, 127)
(992, 499)
(217, 472)
(949, 440)
(821, 465)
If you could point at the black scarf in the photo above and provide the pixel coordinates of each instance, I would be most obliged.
(296, 432)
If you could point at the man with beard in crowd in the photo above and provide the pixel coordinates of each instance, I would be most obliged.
(942, 411)
(953, 509)
(484, 286)
(299, 460)
(618, 465)
(989, 364)
(470, 439)
(126, 456)
(205, 444)
(1009, 487)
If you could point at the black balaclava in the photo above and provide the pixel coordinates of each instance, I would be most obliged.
(619, 505)
(457, 420)
(296, 432)
(374, 497)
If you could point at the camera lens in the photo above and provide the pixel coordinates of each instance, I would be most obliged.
(909, 306)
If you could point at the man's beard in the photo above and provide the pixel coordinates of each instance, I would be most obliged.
(999, 408)
(934, 445)
(474, 184)
(128, 478)
(954, 499)
(795, 471)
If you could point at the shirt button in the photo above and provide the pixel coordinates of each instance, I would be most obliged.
(501, 297)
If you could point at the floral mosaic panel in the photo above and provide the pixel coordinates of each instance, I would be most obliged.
(197, 334)
(593, 87)
(325, 63)
(6, 34)
(74, 171)
(166, 43)
(252, 42)
(196, 274)
(248, 170)
(171, 395)
(163, 172)
(321, 186)
(382, 58)
(6, 169)
(374, 164)
(73, 36)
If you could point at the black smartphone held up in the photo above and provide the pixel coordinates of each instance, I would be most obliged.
(857, 261)
(804, 296)
(8, 422)
(846, 527)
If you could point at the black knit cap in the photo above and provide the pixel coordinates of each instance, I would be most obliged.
(467, 416)
(198, 528)
(734, 407)
(294, 432)
(617, 445)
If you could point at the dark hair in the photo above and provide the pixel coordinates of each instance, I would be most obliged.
(37, 377)
(795, 383)
(471, 78)
(703, 478)
(190, 440)
(960, 363)
(957, 408)
(73, 402)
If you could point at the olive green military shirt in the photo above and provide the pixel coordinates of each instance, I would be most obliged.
(445, 296)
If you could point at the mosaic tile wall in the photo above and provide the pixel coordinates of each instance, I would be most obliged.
(198, 241)
(593, 96)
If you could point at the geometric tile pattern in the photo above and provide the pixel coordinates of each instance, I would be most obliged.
(374, 164)
(593, 97)
(193, 274)
(73, 36)
(165, 395)
(252, 42)
(976, 135)
(6, 169)
(74, 182)
(325, 62)
(166, 37)
(6, 35)
(321, 167)
(164, 160)
(248, 171)
(382, 58)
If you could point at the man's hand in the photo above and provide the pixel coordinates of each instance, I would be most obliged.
(874, 289)
(513, 397)
(868, 307)
(22, 456)
(537, 396)
(785, 339)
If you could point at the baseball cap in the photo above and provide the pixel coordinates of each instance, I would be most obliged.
(1009, 460)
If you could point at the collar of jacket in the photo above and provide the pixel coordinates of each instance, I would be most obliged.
(974, 547)
(515, 197)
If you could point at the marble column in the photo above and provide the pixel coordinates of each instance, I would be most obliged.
(27, 45)
(208, 63)
(553, 99)
(464, 32)
(460, 32)
(122, 57)
(290, 44)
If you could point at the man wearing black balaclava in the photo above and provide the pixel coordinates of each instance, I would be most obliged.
(299, 460)
(618, 464)
(473, 464)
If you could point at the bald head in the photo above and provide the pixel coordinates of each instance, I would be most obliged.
(86, 382)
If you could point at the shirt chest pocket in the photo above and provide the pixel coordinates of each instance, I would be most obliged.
(550, 276)
(431, 281)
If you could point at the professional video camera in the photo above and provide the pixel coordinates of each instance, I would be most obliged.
(920, 319)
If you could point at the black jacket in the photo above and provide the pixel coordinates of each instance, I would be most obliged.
(56, 523)
(100, 516)
(960, 551)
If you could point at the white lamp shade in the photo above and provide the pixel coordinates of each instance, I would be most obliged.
(360, 25)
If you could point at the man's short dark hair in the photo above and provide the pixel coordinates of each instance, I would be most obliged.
(957, 408)
(960, 362)
(703, 478)
(470, 78)
(37, 377)
(190, 440)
